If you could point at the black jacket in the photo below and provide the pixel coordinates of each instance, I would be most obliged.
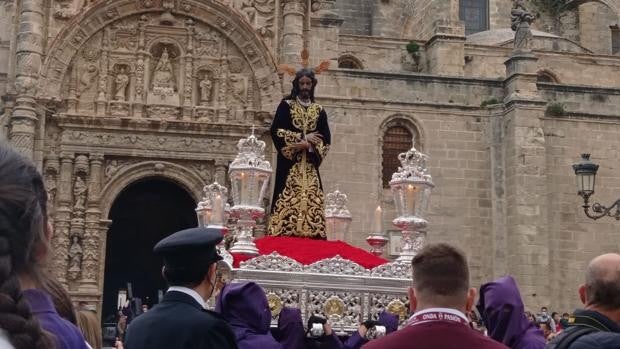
(605, 335)
(179, 322)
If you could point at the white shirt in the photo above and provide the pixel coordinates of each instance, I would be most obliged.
(4, 340)
(189, 292)
(441, 310)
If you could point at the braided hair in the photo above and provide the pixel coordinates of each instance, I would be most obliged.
(22, 222)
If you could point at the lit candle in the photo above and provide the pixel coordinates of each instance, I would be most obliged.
(244, 189)
(208, 217)
(377, 226)
(218, 211)
(410, 199)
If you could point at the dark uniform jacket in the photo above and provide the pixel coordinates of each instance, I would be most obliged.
(179, 322)
(605, 332)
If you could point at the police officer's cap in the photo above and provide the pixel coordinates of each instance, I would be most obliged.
(190, 246)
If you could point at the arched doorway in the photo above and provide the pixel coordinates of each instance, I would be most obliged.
(142, 214)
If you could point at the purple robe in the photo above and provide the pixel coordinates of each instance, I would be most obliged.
(503, 314)
(66, 335)
(245, 307)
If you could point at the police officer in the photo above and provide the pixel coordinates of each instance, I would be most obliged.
(181, 320)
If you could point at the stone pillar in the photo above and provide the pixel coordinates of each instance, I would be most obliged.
(91, 239)
(445, 50)
(325, 31)
(27, 65)
(526, 181)
(292, 41)
(62, 221)
(221, 171)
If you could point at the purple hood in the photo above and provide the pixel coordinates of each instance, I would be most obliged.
(503, 313)
(244, 305)
(389, 320)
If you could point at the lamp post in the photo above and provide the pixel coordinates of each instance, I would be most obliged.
(249, 175)
(411, 187)
(337, 216)
(585, 172)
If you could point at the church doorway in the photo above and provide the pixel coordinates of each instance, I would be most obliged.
(142, 214)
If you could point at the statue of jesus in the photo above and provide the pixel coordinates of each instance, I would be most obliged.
(300, 133)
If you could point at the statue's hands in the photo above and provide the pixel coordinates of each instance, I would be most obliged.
(314, 137)
(303, 145)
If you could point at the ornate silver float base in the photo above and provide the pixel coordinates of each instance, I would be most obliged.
(245, 241)
(411, 245)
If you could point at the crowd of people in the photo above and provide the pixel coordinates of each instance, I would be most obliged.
(37, 312)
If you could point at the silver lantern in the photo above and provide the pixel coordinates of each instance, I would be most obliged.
(411, 187)
(212, 213)
(337, 216)
(249, 176)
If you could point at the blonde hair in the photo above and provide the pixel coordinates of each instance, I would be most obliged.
(90, 327)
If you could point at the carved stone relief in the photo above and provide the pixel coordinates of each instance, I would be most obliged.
(137, 67)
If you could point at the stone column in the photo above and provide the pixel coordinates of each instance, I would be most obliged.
(526, 180)
(28, 53)
(445, 50)
(91, 240)
(325, 31)
(221, 171)
(62, 220)
(292, 41)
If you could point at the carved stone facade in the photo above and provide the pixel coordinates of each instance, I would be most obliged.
(102, 94)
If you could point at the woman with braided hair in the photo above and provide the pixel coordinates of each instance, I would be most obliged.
(27, 314)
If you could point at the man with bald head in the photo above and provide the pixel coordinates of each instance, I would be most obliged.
(598, 324)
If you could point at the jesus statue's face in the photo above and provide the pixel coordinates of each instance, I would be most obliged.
(305, 87)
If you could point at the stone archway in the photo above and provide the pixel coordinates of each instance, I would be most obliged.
(143, 213)
(101, 17)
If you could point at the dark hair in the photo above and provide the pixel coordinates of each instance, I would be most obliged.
(190, 275)
(309, 73)
(565, 314)
(23, 219)
(440, 270)
(603, 287)
(60, 297)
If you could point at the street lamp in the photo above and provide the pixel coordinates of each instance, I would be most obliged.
(585, 171)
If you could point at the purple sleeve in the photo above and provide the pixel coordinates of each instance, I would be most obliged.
(332, 342)
(289, 323)
(355, 341)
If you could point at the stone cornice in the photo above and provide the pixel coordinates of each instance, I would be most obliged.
(578, 88)
(368, 74)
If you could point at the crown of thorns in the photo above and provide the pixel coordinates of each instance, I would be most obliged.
(305, 62)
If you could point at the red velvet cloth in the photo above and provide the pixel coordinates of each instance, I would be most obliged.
(308, 251)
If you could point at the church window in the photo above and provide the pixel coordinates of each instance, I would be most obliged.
(475, 14)
(544, 76)
(349, 62)
(615, 40)
(396, 140)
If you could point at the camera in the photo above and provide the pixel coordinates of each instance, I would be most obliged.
(315, 326)
(375, 332)
(317, 330)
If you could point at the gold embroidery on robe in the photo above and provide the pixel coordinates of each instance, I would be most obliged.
(322, 149)
(305, 118)
(290, 138)
(299, 212)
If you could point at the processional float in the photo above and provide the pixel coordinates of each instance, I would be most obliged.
(336, 288)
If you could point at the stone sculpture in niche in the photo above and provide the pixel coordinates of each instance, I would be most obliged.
(121, 82)
(206, 89)
(75, 258)
(163, 76)
(79, 193)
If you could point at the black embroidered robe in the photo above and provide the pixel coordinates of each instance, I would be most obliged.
(297, 207)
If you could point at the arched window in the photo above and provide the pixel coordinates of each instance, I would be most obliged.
(397, 139)
(615, 40)
(545, 76)
(349, 62)
(475, 14)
